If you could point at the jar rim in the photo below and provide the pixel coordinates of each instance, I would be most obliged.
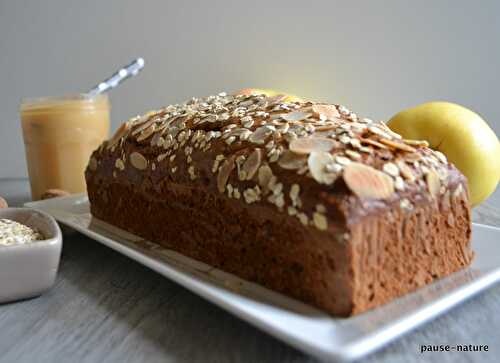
(77, 100)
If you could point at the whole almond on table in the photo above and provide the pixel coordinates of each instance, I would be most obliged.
(54, 193)
(3, 203)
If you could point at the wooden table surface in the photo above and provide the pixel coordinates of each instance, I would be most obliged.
(105, 307)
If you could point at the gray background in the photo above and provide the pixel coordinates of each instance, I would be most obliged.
(376, 59)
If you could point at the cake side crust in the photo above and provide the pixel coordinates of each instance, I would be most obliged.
(252, 243)
(399, 251)
(384, 257)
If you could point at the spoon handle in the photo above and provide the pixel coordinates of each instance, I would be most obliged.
(128, 71)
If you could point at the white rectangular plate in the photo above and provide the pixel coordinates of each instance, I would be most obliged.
(295, 323)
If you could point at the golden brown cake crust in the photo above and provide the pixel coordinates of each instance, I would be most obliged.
(305, 198)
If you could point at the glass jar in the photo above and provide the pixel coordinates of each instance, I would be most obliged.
(60, 133)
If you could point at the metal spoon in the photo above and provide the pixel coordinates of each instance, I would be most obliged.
(126, 72)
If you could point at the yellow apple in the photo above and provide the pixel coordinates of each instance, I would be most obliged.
(462, 135)
(268, 92)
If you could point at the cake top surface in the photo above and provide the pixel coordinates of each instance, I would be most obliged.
(259, 138)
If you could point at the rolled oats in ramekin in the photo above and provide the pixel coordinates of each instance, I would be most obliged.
(14, 233)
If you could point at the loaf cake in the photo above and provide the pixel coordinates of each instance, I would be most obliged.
(307, 199)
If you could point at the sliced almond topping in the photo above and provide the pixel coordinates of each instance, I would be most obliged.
(325, 128)
(138, 161)
(329, 111)
(296, 116)
(386, 128)
(247, 103)
(276, 99)
(417, 143)
(378, 131)
(210, 118)
(398, 145)
(224, 172)
(252, 164)
(405, 170)
(161, 128)
(144, 125)
(317, 163)
(260, 135)
(140, 120)
(367, 182)
(433, 183)
(353, 154)
(306, 145)
(146, 133)
(413, 157)
(122, 131)
(374, 143)
(291, 161)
